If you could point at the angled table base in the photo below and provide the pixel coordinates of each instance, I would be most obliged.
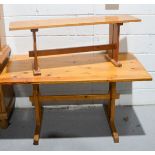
(110, 108)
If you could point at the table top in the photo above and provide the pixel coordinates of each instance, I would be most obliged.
(73, 68)
(78, 21)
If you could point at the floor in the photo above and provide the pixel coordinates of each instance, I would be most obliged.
(81, 129)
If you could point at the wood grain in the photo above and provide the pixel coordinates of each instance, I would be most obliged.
(63, 22)
(67, 68)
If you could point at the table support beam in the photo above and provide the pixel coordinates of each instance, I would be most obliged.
(73, 97)
(36, 69)
(38, 114)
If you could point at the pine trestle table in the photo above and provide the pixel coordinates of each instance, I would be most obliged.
(74, 68)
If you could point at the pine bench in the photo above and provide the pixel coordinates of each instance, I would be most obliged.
(114, 32)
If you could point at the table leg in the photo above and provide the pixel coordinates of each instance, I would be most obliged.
(38, 113)
(110, 111)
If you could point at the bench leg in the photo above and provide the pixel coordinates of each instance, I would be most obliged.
(110, 111)
(114, 34)
(38, 114)
(36, 69)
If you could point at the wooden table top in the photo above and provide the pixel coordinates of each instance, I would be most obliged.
(79, 21)
(73, 68)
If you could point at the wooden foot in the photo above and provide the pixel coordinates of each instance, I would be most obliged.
(110, 112)
(4, 124)
(115, 63)
(38, 114)
(36, 72)
(36, 135)
(112, 126)
(114, 132)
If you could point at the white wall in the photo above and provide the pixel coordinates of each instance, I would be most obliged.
(137, 38)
